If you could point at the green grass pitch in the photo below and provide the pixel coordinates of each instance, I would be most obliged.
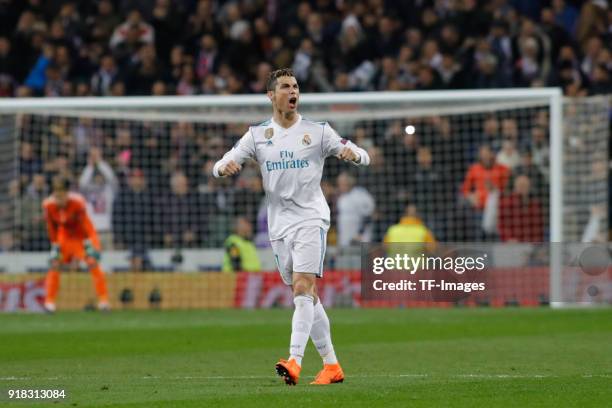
(400, 357)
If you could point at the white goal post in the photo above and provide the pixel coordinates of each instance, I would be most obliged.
(376, 112)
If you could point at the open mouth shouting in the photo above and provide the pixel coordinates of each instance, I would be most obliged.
(292, 102)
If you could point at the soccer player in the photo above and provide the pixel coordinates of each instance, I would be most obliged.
(291, 151)
(73, 238)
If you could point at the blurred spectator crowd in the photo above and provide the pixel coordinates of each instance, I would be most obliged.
(149, 184)
(186, 47)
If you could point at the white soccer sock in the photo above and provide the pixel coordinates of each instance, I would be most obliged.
(321, 335)
(301, 324)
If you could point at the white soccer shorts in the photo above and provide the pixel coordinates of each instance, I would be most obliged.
(302, 250)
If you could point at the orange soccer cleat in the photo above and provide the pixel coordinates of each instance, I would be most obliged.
(331, 373)
(289, 370)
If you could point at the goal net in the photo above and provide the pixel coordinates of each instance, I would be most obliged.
(505, 168)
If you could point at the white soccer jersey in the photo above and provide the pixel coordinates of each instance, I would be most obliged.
(291, 162)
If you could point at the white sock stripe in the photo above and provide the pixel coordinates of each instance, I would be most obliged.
(303, 298)
(301, 325)
(321, 335)
(322, 252)
(318, 339)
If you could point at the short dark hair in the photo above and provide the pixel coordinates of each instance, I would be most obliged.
(61, 183)
(274, 75)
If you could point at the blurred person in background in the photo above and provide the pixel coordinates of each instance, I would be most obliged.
(508, 155)
(217, 198)
(186, 84)
(139, 260)
(8, 210)
(539, 185)
(207, 57)
(248, 195)
(103, 22)
(520, 214)
(594, 198)
(240, 252)
(37, 78)
(133, 215)
(601, 83)
(8, 66)
(355, 207)
(143, 70)
(484, 181)
(489, 135)
(180, 214)
(431, 191)
(7, 242)
(105, 76)
(482, 177)
(539, 149)
(262, 236)
(383, 192)
(133, 29)
(259, 83)
(99, 185)
(509, 131)
(29, 163)
(410, 230)
(31, 217)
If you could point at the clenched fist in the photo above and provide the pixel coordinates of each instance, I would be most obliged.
(230, 169)
(347, 154)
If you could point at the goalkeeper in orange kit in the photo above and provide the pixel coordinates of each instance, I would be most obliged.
(73, 238)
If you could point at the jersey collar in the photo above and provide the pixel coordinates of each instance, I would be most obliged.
(285, 130)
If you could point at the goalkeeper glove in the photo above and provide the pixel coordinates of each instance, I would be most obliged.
(55, 254)
(91, 251)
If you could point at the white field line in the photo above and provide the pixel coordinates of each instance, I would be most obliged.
(262, 377)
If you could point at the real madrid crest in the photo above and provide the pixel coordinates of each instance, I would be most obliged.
(306, 140)
(269, 133)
